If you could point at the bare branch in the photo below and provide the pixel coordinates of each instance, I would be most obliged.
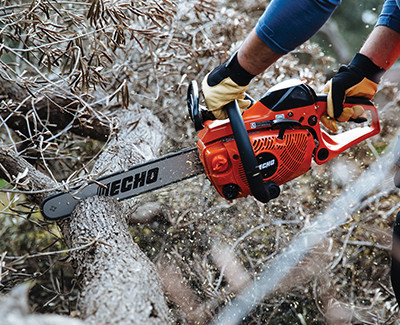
(34, 180)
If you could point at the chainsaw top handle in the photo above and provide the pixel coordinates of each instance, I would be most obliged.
(332, 145)
(263, 192)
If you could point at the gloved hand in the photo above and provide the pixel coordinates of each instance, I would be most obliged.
(360, 78)
(224, 84)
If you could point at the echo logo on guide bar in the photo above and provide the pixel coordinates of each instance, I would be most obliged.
(129, 183)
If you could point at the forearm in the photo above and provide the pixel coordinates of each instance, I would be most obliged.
(255, 56)
(382, 46)
(284, 25)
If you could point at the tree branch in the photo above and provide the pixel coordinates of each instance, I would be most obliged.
(56, 112)
(119, 284)
(34, 181)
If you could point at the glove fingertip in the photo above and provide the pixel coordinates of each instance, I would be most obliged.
(358, 111)
(244, 104)
(329, 123)
(220, 114)
(346, 114)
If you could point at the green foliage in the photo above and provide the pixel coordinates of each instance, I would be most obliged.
(352, 17)
(355, 20)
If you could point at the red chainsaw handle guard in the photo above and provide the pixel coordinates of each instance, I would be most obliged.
(332, 145)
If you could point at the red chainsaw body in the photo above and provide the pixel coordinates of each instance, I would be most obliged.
(285, 134)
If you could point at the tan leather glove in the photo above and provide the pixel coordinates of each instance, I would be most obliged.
(225, 84)
(359, 79)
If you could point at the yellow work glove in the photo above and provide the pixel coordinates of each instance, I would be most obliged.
(358, 79)
(224, 84)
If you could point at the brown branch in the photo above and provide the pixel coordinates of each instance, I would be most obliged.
(15, 309)
(55, 111)
(35, 182)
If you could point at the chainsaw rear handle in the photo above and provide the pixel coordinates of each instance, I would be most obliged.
(263, 192)
(349, 101)
(332, 145)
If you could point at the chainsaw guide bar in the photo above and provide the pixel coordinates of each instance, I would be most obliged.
(127, 183)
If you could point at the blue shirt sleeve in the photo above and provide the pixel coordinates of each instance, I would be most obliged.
(286, 24)
(390, 15)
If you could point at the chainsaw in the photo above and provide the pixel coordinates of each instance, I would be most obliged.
(271, 143)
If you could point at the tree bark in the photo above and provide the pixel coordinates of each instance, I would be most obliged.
(119, 284)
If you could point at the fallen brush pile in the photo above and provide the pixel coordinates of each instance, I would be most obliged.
(206, 249)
